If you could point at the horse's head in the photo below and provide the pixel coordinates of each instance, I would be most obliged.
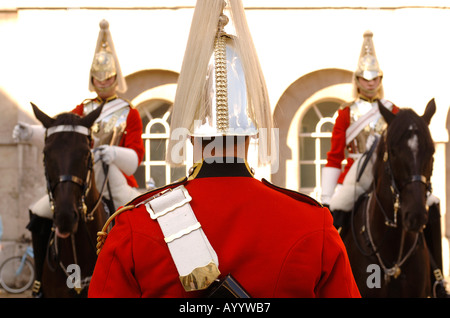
(68, 166)
(407, 154)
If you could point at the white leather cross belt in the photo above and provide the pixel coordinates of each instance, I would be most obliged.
(193, 255)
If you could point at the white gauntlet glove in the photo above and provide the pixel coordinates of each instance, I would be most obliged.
(432, 199)
(124, 158)
(330, 176)
(24, 132)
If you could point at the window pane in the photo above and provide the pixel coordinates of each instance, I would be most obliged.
(140, 177)
(307, 147)
(308, 176)
(325, 145)
(309, 121)
(327, 127)
(157, 149)
(157, 128)
(177, 173)
(327, 109)
(158, 173)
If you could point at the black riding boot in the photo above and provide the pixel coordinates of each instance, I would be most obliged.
(433, 239)
(40, 232)
(341, 221)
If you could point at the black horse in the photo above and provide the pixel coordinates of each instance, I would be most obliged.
(78, 213)
(386, 247)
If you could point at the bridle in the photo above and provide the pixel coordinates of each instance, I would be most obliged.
(85, 188)
(84, 184)
(395, 190)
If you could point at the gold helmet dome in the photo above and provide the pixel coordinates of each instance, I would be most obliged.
(105, 63)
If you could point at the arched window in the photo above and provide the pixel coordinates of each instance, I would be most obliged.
(305, 115)
(154, 171)
(316, 126)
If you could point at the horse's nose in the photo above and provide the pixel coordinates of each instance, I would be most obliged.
(66, 223)
(415, 222)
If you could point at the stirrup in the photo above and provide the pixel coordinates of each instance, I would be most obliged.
(36, 287)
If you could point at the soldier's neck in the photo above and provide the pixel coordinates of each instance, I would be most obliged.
(106, 100)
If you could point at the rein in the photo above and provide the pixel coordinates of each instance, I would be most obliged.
(395, 270)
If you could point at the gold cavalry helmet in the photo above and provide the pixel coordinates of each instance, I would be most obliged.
(105, 63)
(221, 89)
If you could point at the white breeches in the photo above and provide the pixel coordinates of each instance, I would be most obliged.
(345, 195)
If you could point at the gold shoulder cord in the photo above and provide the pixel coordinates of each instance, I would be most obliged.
(103, 234)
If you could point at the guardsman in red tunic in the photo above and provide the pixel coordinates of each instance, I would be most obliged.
(220, 225)
(117, 142)
(357, 128)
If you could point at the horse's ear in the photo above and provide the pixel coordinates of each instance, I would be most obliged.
(89, 119)
(429, 111)
(386, 113)
(45, 119)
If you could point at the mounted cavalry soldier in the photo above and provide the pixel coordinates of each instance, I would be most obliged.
(220, 225)
(357, 130)
(118, 147)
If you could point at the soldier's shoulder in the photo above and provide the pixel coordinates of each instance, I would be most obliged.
(87, 101)
(149, 195)
(126, 101)
(293, 194)
(130, 207)
(347, 104)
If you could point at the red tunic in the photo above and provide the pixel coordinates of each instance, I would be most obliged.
(132, 137)
(338, 142)
(275, 242)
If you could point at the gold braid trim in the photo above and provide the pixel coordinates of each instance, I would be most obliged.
(221, 83)
(103, 234)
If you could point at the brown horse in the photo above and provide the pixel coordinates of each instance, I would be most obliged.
(78, 212)
(386, 246)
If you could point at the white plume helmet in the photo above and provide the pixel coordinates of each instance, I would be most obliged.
(105, 63)
(221, 88)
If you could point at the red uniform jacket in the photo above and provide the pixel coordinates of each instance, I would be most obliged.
(132, 137)
(338, 142)
(275, 242)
